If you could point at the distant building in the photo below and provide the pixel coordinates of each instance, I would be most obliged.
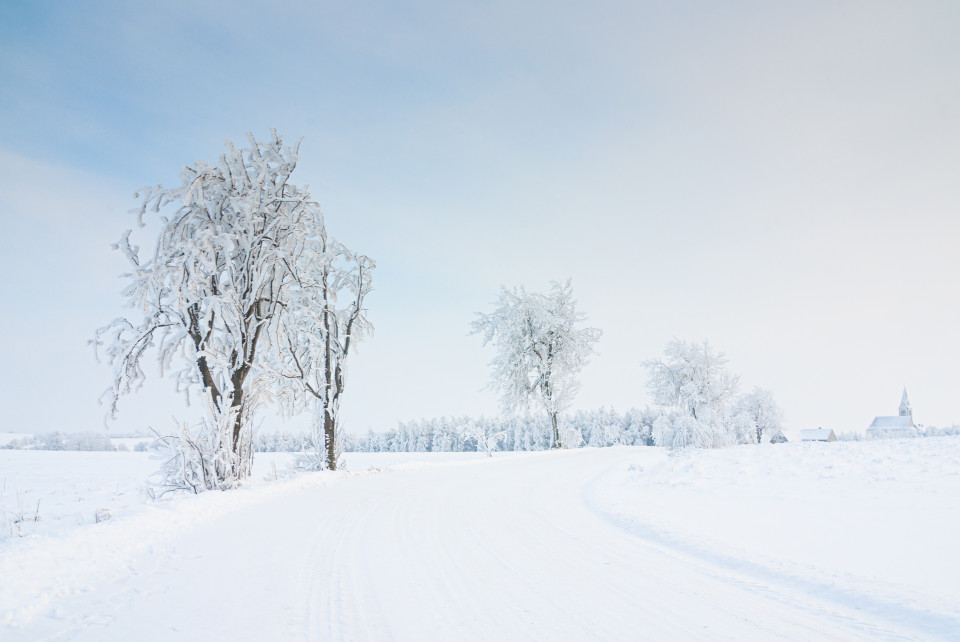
(900, 426)
(817, 434)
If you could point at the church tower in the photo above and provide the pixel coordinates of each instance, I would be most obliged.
(905, 410)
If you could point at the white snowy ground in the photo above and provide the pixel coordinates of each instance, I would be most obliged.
(840, 541)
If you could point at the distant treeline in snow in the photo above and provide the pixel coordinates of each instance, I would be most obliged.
(922, 431)
(281, 442)
(529, 432)
(596, 428)
(85, 441)
(466, 434)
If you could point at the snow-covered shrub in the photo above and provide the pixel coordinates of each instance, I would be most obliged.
(487, 441)
(677, 430)
(698, 402)
(848, 435)
(933, 431)
(89, 441)
(51, 441)
(759, 409)
(199, 459)
(743, 429)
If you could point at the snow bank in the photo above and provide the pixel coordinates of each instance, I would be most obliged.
(873, 523)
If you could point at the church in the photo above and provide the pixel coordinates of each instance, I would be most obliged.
(899, 426)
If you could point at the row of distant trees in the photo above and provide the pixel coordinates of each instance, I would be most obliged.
(922, 431)
(527, 432)
(81, 441)
(652, 426)
(597, 428)
(540, 350)
(539, 353)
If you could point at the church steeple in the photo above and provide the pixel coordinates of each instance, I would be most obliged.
(905, 410)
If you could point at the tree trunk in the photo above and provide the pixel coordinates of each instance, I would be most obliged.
(556, 431)
(236, 404)
(330, 439)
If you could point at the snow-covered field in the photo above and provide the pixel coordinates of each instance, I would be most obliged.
(7, 437)
(835, 541)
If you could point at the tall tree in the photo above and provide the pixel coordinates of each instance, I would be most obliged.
(540, 350)
(213, 294)
(325, 320)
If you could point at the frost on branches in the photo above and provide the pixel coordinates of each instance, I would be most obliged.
(540, 351)
(698, 401)
(326, 318)
(228, 290)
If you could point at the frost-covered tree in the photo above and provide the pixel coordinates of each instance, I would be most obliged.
(692, 377)
(760, 411)
(325, 319)
(540, 350)
(236, 241)
(695, 393)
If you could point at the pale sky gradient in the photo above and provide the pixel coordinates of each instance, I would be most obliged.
(778, 178)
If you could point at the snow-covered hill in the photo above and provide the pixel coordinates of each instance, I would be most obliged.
(796, 541)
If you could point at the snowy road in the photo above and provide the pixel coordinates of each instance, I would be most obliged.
(512, 548)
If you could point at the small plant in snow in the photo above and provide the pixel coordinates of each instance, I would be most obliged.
(196, 459)
(20, 516)
(487, 443)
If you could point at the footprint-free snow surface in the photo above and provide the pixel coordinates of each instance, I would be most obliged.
(797, 541)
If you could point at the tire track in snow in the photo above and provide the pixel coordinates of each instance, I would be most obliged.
(875, 618)
(507, 549)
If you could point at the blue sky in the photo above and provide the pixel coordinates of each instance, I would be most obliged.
(777, 178)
